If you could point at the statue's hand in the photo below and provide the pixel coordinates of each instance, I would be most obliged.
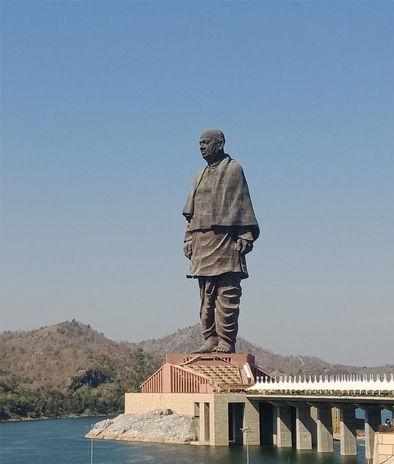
(187, 249)
(244, 246)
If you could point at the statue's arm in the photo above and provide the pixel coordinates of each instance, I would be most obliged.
(187, 248)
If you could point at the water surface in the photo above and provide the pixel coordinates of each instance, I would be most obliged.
(62, 441)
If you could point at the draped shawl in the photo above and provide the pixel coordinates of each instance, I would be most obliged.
(231, 205)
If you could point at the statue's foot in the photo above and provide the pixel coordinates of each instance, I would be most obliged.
(209, 345)
(224, 347)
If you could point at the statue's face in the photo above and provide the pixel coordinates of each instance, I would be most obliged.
(210, 146)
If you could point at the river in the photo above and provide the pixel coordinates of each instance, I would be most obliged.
(62, 441)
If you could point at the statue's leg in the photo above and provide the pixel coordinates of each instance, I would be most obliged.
(229, 293)
(207, 313)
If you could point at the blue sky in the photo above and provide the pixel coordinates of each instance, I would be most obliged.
(103, 104)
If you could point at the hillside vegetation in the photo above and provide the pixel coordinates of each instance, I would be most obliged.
(70, 369)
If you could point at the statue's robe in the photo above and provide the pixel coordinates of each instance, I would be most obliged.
(219, 211)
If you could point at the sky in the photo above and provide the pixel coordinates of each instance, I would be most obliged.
(102, 107)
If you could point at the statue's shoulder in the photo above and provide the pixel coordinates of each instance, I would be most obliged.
(233, 165)
(197, 178)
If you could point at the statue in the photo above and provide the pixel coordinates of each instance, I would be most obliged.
(221, 230)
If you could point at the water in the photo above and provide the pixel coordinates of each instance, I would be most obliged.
(62, 442)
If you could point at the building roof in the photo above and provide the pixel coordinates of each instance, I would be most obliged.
(204, 373)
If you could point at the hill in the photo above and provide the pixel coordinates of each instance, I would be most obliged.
(66, 369)
(70, 369)
(186, 340)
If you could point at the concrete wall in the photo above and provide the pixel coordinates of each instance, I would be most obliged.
(180, 403)
(213, 412)
(384, 448)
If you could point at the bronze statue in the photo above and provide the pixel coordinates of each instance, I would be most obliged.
(221, 230)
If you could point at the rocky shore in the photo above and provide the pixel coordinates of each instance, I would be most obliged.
(160, 426)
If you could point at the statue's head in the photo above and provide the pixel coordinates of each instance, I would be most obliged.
(212, 145)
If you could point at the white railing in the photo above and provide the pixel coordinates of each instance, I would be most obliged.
(333, 384)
